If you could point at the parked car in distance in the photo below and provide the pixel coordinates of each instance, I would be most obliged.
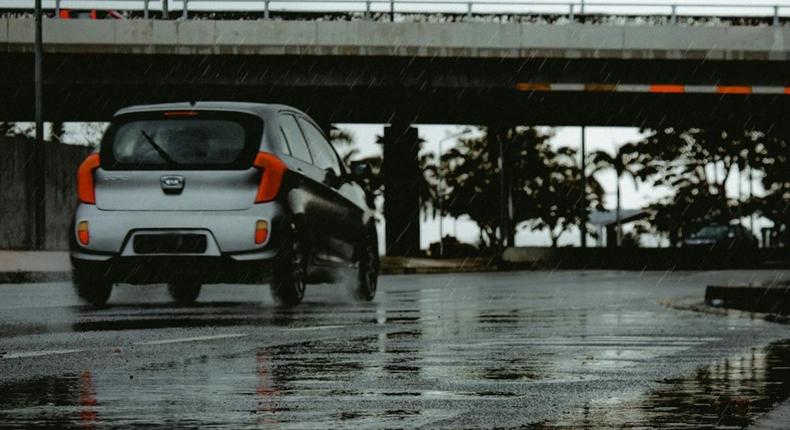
(219, 192)
(722, 237)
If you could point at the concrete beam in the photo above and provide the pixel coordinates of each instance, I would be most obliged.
(358, 38)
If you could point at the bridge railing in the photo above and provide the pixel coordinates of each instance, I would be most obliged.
(576, 10)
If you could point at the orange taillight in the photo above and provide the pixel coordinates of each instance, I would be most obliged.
(273, 170)
(261, 231)
(82, 232)
(86, 192)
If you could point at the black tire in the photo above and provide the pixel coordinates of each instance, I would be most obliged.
(184, 292)
(366, 282)
(91, 287)
(290, 272)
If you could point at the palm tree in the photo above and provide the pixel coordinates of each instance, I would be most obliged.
(623, 162)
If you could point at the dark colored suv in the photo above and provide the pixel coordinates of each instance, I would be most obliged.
(218, 192)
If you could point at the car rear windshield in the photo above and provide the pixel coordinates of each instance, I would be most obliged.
(182, 140)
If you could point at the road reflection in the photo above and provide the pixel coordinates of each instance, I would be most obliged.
(728, 394)
(67, 401)
(88, 414)
(267, 395)
(449, 357)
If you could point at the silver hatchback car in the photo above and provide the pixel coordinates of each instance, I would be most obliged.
(219, 192)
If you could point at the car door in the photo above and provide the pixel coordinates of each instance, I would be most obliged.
(309, 197)
(304, 194)
(342, 222)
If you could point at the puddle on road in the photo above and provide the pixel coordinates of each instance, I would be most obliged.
(728, 394)
(57, 402)
(387, 379)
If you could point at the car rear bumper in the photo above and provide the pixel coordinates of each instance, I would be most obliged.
(231, 231)
(229, 252)
(158, 269)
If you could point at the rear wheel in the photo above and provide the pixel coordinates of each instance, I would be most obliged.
(288, 279)
(92, 287)
(184, 292)
(368, 269)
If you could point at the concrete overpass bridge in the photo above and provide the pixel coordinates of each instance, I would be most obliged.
(430, 73)
(408, 73)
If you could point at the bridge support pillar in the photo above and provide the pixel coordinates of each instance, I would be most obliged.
(500, 152)
(401, 178)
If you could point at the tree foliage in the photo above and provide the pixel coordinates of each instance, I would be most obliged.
(12, 129)
(695, 164)
(545, 183)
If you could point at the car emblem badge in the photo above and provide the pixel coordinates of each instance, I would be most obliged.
(172, 184)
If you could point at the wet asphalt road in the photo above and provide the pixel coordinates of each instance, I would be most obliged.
(503, 350)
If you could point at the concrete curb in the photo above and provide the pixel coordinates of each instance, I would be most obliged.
(697, 305)
(772, 299)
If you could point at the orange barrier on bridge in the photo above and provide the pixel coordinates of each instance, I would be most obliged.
(668, 89)
(654, 88)
(733, 89)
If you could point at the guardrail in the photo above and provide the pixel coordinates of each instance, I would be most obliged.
(573, 10)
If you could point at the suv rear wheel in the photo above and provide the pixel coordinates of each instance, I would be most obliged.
(91, 287)
(184, 292)
(288, 279)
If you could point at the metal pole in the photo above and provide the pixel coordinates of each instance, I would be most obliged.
(165, 10)
(184, 13)
(40, 154)
(57, 8)
(145, 9)
(441, 202)
(674, 17)
(266, 9)
(751, 195)
(740, 195)
(392, 10)
(583, 212)
(503, 222)
(367, 9)
(617, 213)
(469, 10)
(776, 15)
(571, 16)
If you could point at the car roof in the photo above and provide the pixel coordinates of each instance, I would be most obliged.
(259, 109)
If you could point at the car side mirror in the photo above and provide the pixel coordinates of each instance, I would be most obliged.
(361, 170)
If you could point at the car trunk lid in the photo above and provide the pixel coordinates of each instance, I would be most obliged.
(185, 160)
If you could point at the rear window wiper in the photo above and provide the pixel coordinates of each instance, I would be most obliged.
(158, 148)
